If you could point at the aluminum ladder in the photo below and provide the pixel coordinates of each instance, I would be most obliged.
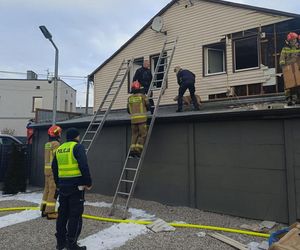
(108, 100)
(129, 174)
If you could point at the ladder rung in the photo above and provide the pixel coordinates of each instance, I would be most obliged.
(155, 89)
(92, 132)
(85, 140)
(95, 123)
(131, 169)
(122, 193)
(127, 181)
(160, 72)
(165, 57)
(168, 49)
(169, 42)
(123, 68)
(121, 74)
(157, 80)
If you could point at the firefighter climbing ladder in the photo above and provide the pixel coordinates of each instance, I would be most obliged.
(100, 116)
(129, 174)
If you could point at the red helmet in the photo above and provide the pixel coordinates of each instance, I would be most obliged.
(135, 85)
(292, 36)
(54, 131)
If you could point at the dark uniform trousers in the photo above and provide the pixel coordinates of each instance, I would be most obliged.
(71, 206)
(183, 87)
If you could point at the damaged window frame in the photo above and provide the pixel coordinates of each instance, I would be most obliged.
(206, 49)
(242, 36)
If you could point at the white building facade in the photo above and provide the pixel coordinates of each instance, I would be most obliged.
(19, 98)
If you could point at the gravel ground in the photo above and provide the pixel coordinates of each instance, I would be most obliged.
(39, 233)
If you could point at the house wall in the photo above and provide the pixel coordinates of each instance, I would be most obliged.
(245, 167)
(16, 100)
(201, 24)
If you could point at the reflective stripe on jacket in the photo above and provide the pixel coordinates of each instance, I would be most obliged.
(50, 148)
(289, 55)
(67, 164)
(137, 105)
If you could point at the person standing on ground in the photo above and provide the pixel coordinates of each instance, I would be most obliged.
(137, 107)
(72, 177)
(144, 76)
(49, 197)
(185, 80)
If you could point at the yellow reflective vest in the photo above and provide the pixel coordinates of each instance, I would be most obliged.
(67, 164)
(137, 105)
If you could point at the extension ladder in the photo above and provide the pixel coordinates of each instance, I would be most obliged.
(129, 175)
(100, 116)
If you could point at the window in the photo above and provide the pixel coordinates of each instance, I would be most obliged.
(137, 63)
(247, 90)
(71, 106)
(246, 53)
(38, 87)
(161, 68)
(7, 141)
(66, 105)
(37, 103)
(214, 58)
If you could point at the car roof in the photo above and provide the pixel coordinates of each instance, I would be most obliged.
(12, 137)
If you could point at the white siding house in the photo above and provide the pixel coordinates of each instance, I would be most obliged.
(232, 48)
(20, 97)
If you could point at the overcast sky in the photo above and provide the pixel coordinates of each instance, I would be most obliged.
(86, 32)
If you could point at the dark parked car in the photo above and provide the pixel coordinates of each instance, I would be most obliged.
(6, 146)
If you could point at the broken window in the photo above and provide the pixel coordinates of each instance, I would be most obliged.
(161, 68)
(137, 63)
(214, 59)
(246, 53)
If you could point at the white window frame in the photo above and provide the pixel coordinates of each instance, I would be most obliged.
(234, 58)
(206, 49)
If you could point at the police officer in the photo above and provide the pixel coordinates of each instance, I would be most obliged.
(137, 106)
(185, 80)
(49, 197)
(72, 176)
(144, 76)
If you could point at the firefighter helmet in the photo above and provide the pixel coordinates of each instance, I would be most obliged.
(54, 131)
(136, 85)
(292, 36)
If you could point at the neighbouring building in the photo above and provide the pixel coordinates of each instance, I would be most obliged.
(19, 98)
(232, 48)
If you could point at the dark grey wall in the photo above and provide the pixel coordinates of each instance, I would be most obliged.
(247, 168)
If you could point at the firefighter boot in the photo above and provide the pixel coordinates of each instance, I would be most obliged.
(43, 207)
(52, 216)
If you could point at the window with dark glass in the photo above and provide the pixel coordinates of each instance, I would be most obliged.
(246, 53)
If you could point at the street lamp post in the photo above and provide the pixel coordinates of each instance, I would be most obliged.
(48, 36)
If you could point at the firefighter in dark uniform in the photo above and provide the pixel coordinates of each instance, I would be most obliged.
(144, 76)
(290, 54)
(137, 106)
(185, 80)
(72, 177)
(49, 197)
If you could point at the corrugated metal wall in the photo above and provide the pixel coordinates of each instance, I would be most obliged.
(248, 168)
(201, 24)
